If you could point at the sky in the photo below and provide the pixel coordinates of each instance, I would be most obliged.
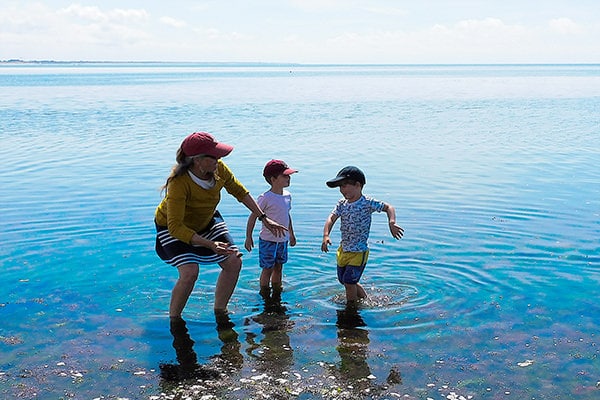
(303, 31)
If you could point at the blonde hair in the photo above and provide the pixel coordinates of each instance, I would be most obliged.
(182, 167)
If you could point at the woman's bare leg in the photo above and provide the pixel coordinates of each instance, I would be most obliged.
(228, 277)
(188, 274)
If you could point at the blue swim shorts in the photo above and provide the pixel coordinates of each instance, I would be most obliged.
(350, 265)
(271, 253)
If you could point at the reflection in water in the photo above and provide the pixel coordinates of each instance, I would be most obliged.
(273, 354)
(228, 361)
(353, 345)
(353, 348)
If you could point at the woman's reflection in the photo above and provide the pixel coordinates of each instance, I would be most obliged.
(228, 361)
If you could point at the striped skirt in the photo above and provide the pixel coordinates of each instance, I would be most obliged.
(177, 253)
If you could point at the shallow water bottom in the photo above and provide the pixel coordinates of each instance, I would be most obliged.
(491, 293)
(277, 349)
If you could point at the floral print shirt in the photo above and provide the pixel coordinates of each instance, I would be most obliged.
(356, 221)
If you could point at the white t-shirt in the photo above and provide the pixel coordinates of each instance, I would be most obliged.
(277, 207)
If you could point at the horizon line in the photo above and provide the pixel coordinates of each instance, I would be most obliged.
(21, 61)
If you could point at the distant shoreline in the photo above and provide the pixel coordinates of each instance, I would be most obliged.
(62, 62)
(273, 64)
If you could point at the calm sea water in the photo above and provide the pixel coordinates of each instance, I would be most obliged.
(492, 293)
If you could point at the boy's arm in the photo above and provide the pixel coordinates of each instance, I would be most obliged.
(292, 235)
(326, 231)
(249, 243)
(396, 231)
(275, 228)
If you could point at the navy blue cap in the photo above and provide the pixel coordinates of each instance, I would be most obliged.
(349, 172)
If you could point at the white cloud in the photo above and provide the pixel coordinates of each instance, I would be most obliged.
(92, 25)
(486, 40)
(387, 11)
(218, 37)
(81, 13)
(15, 20)
(309, 31)
(314, 5)
(175, 23)
(565, 26)
(36, 31)
(468, 40)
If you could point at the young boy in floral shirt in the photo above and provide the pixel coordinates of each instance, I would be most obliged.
(355, 211)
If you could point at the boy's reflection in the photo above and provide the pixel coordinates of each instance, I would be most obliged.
(229, 360)
(353, 346)
(273, 353)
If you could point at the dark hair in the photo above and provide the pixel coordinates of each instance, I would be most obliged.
(350, 182)
(268, 178)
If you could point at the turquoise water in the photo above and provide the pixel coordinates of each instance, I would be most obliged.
(492, 293)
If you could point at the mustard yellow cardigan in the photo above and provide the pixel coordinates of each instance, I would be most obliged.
(187, 208)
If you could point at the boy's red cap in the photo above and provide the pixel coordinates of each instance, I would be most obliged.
(277, 167)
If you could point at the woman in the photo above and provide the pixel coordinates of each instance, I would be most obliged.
(190, 230)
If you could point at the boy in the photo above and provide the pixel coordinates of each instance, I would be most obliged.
(355, 211)
(276, 203)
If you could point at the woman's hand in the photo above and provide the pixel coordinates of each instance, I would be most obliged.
(222, 248)
(274, 227)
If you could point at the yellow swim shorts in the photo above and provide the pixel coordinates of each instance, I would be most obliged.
(352, 258)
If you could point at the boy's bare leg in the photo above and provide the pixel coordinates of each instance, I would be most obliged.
(276, 277)
(265, 277)
(351, 291)
(360, 291)
(354, 291)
